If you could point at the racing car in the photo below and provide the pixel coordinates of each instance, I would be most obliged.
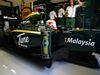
(53, 43)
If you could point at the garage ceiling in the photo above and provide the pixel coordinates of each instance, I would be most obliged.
(18, 2)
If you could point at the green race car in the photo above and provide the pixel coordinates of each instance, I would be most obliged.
(60, 44)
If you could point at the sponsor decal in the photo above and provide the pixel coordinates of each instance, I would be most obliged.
(80, 42)
(46, 42)
(46, 45)
(22, 41)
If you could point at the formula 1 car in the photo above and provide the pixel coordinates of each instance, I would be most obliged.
(76, 45)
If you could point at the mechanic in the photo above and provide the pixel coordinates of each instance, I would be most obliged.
(52, 15)
(70, 13)
(52, 21)
(61, 13)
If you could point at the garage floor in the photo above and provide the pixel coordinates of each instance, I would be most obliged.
(12, 64)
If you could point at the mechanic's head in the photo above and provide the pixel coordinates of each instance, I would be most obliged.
(71, 2)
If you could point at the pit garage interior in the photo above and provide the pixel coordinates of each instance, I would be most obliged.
(12, 12)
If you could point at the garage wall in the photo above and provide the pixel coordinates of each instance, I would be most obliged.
(18, 2)
(55, 1)
(15, 2)
(4, 3)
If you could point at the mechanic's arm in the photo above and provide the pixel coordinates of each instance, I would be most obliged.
(80, 3)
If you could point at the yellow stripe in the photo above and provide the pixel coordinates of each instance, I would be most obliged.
(27, 31)
(46, 50)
